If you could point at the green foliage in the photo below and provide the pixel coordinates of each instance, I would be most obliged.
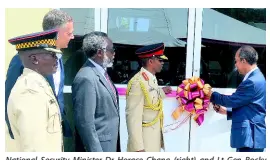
(245, 15)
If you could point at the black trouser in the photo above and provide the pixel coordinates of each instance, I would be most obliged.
(246, 149)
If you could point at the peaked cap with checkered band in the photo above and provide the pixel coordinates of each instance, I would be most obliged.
(39, 40)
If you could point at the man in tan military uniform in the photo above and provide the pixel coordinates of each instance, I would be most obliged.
(33, 110)
(144, 110)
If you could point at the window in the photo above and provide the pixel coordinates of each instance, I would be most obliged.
(223, 32)
(132, 24)
(131, 29)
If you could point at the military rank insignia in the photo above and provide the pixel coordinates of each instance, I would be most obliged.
(145, 76)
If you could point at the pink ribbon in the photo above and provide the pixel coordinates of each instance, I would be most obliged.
(184, 100)
(194, 89)
(195, 94)
(200, 119)
(193, 86)
(190, 107)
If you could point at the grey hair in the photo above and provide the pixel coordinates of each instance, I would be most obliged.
(94, 41)
(249, 54)
(55, 19)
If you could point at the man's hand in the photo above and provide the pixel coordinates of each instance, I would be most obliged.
(141, 150)
(207, 90)
(210, 93)
(167, 89)
(220, 109)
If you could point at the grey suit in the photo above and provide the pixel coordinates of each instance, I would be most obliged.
(96, 110)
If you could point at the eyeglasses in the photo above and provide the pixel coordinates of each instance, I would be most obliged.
(111, 50)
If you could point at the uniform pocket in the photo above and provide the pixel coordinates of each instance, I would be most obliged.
(54, 119)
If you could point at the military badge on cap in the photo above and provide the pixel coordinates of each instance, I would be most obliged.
(154, 50)
(39, 40)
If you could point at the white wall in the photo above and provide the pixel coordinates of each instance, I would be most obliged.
(212, 136)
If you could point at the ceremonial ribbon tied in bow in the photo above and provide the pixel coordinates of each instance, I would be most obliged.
(193, 97)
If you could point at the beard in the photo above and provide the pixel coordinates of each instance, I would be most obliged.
(107, 62)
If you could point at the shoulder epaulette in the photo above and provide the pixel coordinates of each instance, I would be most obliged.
(145, 76)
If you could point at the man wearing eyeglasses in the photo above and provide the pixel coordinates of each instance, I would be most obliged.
(32, 108)
(95, 98)
(144, 110)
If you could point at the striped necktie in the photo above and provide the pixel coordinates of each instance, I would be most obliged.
(110, 83)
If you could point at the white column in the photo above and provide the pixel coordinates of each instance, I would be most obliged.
(97, 19)
(197, 42)
(190, 42)
(104, 20)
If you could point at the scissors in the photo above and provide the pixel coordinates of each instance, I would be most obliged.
(216, 107)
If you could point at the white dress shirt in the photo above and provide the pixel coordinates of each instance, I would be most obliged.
(57, 75)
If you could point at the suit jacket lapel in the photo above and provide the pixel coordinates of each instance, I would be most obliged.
(104, 82)
(62, 74)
